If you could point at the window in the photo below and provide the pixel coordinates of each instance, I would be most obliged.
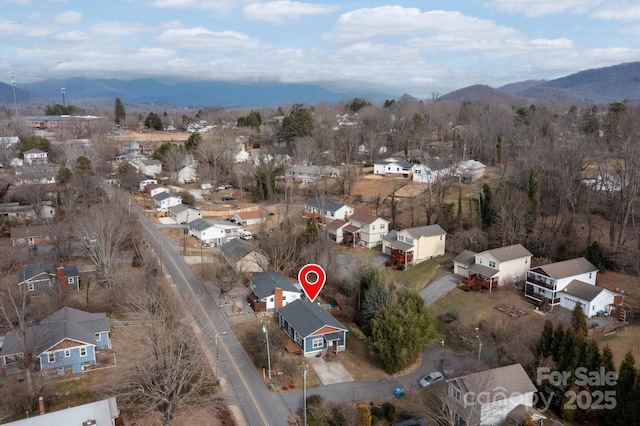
(317, 343)
(67, 353)
(400, 238)
(83, 351)
(409, 240)
(70, 280)
(440, 237)
(382, 226)
(271, 299)
(373, 227)
(98, 337)
(590, 274)
(52, 358)
(492, 264)
(31, 286)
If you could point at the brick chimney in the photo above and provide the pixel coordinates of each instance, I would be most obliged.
(41, 404)
(277, 297)
(62, 280)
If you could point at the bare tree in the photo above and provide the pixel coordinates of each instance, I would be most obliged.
(281, 246)
(170, 372)
(174, 158)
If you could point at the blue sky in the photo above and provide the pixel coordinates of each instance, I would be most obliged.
(406, 46)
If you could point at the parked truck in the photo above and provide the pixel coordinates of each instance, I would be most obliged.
(244, 234)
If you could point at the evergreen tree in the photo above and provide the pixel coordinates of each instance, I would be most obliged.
(298, 124)
(595, 255)
(120, 115)
(192, 143)
(487, 210)
(579, 322)
(626, 401)
(544, 347)
(592, 359)
(153, 121)
(558, 339)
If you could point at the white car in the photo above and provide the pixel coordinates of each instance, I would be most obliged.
(430, 379)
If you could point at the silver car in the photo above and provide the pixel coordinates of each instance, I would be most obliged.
(430, 379)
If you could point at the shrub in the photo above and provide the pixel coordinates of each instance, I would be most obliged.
(365, 415)
(377, 412)
(449, 317)
(314, 400)
(389, 411)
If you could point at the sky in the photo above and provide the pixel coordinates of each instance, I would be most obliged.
(421, 48)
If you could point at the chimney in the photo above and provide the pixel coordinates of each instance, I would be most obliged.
(277, 297)
(62, 280)
(41, 404)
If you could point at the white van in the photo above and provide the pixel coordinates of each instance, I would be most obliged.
(244, 234)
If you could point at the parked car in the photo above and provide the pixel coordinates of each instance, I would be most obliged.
(228, 198)
(430, 379)
(205, 186)
(446, 367)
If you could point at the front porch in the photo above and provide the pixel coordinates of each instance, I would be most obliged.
(485, 282)
(351, 236)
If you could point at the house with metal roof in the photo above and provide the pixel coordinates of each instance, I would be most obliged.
(393, 167)
(414, 245)
(324, 211)
(66, 339)
(183, 213)
(309, 174)
(430, 172)
(493, 268)
(243, 257)
(271, 290)
(205, 231)
(164, 200)
(312, 328)
(98, 413)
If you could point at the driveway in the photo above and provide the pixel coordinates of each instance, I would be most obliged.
(439, 287)
(330, 372)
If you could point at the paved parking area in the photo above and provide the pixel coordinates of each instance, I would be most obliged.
(330, 372)
(439, 287)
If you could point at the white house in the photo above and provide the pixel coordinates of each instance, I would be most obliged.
(252, 217)
(271, 290)
(365, 229)
(414, 245)
(183, 213)
(146, 180)
(470, 169)
(33, 175)
(495, 267)
(309, 174)
(148, 167)
(603, 182)
(240, 155)
(322, 211)
(35, 156)
(206, 231)
(430, 172)
(392, 167)
(154, 189)
(568, 283)
(487, 397)
(187, 174)
(164, 200)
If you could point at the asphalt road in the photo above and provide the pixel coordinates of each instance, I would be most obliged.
(439, 287)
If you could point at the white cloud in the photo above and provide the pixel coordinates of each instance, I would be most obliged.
(621, 13)
(20, 2)
(200, 38)
(68, 17)
(72, 36)
(119, 29)
(537, 8)
(218, 6)
(280, 10)
(9, 27)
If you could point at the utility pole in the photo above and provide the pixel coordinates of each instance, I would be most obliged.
(304, 392)
(479, 347)
(265, 330)
(63, 91)
(13, 83)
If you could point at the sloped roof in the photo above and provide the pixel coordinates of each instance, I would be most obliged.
(466, 257)
(336, 224)
(583, 291)
(425, 231)
(34, 151)
(200, 224)
(237, 249)
(514, 251)
(497, 384)
(36, 231)
(567, 268)
(265, 283)
(67, 323)
(326, 205)
(363, 217)
(307, 317)
(314, 170)
(252, 214)
(162, 196)
(391, 236)
(35, 269)
(103, 412)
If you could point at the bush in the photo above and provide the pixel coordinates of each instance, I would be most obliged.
(377, 412)
(449, 317)
(314, 400)
(389, 411)
(365, 415)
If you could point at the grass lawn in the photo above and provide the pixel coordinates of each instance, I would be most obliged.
(358, 360)
(418, 276)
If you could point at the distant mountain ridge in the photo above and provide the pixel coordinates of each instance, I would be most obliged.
(595, 86)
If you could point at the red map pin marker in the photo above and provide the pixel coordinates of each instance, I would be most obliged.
(312, 278)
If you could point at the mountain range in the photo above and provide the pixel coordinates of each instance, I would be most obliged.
(594, 86)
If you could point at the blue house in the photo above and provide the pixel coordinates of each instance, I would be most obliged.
(312, 328)
(68, 338)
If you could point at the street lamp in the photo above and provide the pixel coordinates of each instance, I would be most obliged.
(479, 341)
(265, 330)
(304, 392)
(13, 83)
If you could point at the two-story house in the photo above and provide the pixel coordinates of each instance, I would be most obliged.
(206, 231)
(393, 167)
(567, 283)
(414, 245)
(164, 200)
(35, 156)
(487, 397)
(493, 268)
(364, 229)
(321, 211)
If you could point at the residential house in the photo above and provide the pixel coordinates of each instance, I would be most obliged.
(9, 141)
(335, 230)
(14, 212)
(154, 189)
(523, 415)
(230, 229)
(278, 160)
(99, 413)
(130, 157)
(310, 174)
(206, 231)
(487, 397)
(34, 157)
(187, 174)
(183, 213)
(240, 155)
(67, 339)
(271, 290)
(603, 181)
(322, 211)
(414, 245)
(312, 328)
(147, 180)
(44, 277)
(34, 175)
(36, 235)
(252, 217)
(164, 200)
(365, 229)
(470, 170)
(148, 167)
(567, 283)
(430, 172)
(392, 167)
(243, 257)
(495, 267)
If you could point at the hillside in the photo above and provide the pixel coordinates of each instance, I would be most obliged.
(477, 92)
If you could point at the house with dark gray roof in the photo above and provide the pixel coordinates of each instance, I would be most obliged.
(312, 328)
(309, 174)
(66, 339)
(243, 257)
(183, 213)
(271, 290)
(45, 277)
(568, 283)
(414, 245)
(324, 211)
(494, 267)
(164, 200)
(392, 167)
